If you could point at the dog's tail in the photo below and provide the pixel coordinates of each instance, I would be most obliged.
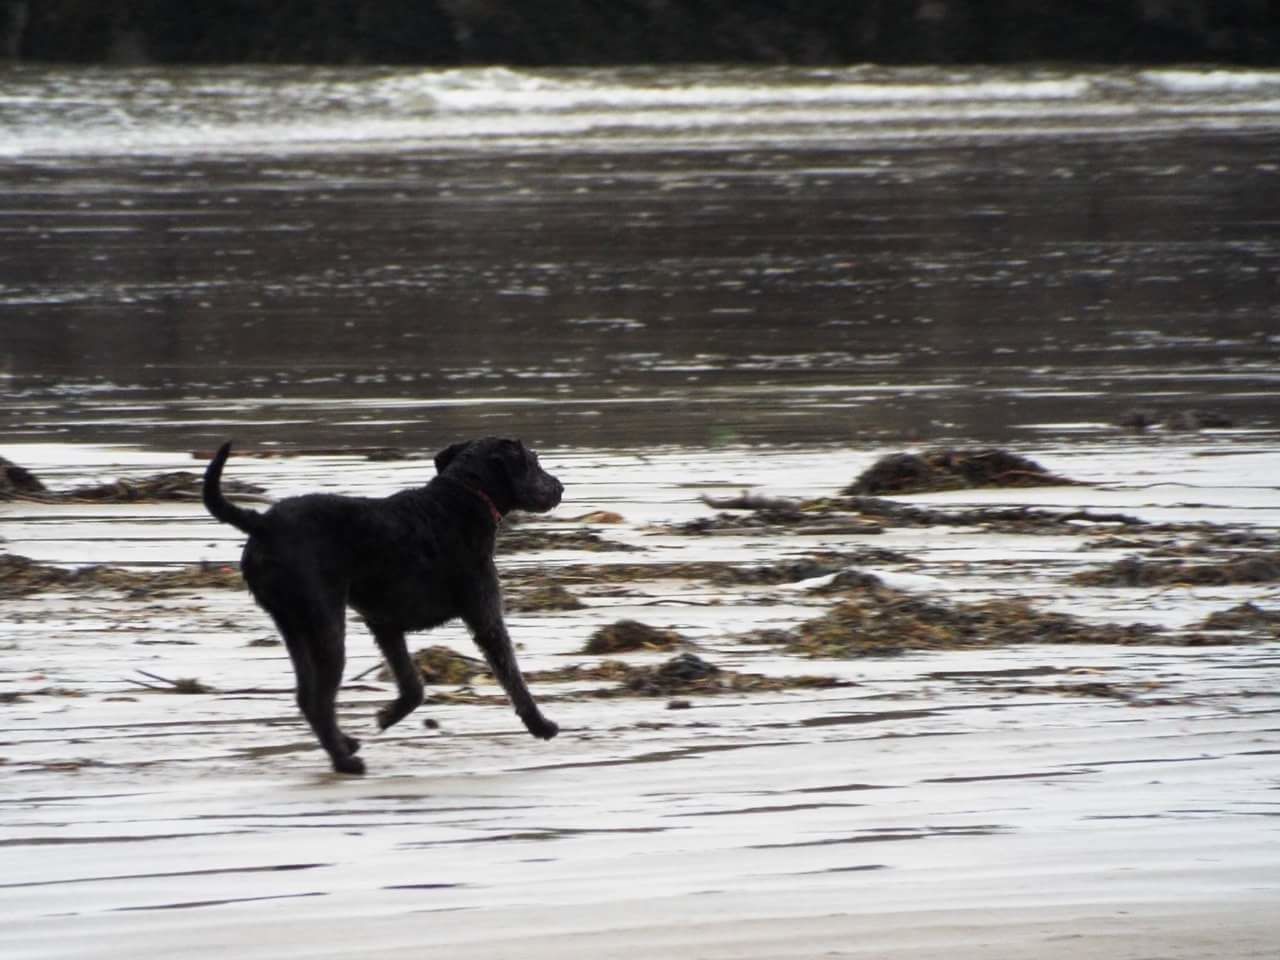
(250, 521)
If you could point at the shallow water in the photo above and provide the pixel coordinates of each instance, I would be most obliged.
(624, 258)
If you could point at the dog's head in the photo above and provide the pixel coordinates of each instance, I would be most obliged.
(505, 470)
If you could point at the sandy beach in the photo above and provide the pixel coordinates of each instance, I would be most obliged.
(992, 801)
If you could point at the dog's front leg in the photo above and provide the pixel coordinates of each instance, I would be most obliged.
(408, 676)
(490, 633)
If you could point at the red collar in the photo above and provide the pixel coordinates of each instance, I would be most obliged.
(494, 512)
(488, 502)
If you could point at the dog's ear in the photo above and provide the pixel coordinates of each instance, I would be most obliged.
(445, 456)
(512, 456)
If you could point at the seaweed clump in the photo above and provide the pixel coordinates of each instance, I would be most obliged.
(951, 469)
(880, 621)
(18, 483)
(786, 571)
(689, 673)
(21, 576)
(543, 597)
(180, 485)
(681, 675)
(1023, 520)
(801, 518)
(442, 666)
(1140, 418)
(515, 539)
(718, 572)
(1262, 567)
(1243, 616)
(626, 635)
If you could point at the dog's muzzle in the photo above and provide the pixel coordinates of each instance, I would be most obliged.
(547, 493)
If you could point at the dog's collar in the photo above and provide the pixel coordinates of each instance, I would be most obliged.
(488, 501)
(494, 512)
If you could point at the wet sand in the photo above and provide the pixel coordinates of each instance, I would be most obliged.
(1055, 800)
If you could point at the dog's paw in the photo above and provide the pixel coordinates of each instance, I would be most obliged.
(542, 728)
(398, 709)
(351, 743)
(349, 764)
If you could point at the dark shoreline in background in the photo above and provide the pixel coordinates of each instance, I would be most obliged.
(581, 33)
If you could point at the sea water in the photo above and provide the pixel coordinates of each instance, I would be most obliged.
(631, 257)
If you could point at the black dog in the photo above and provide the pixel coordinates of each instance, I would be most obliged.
(411, 561)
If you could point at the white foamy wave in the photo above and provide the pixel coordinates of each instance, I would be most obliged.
(501, 89)
(600, 129)
(1249, 82)
(47, 113)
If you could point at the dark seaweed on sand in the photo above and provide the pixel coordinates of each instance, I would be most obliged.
(684, 674)
(1028, 520)
(18, 483)
(1262, 567)
(541, 597)
(22, 576)
(443, 665)
(877, 621)
(1243, 616)
(951, 469)
(627, 635)
(517, 539)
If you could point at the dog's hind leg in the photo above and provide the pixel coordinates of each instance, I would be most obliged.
(315, 645)
(390, 641)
